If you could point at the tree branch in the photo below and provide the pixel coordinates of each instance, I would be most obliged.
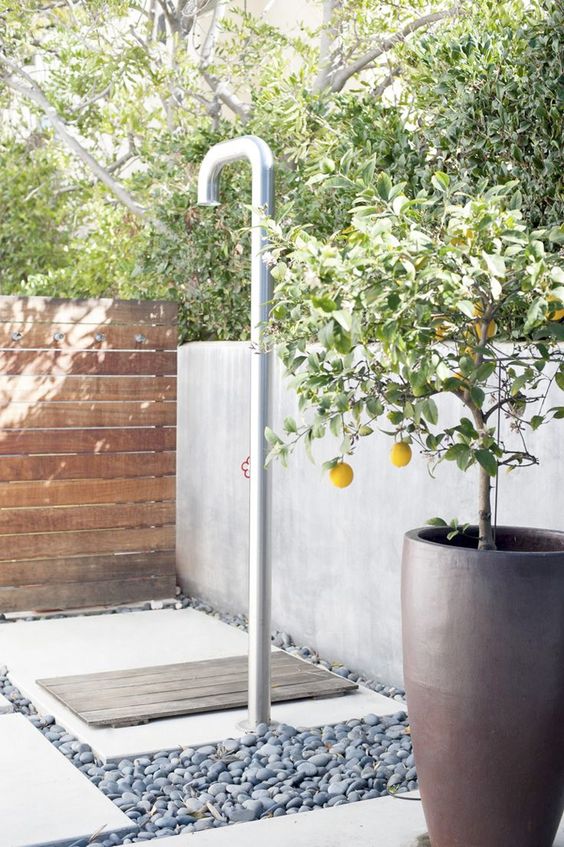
(327, 46)
(33, 92)
(221, 89)
(227, 96)
(342, 76)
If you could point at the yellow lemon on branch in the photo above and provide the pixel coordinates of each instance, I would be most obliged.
(558, 315)
(400, 454)
(492, 326)
(341, 475)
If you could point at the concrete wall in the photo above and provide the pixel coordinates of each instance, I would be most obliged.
(336, 553)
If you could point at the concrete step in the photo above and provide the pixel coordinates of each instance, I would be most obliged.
(5, 705)
(44, 800)
(386, 822)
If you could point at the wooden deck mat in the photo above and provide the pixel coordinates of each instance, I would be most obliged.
(138, 695)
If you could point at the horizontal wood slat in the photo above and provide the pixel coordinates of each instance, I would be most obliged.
(33, 389)
(84, 466)
(103, 311)
(162, 682)
(86, 414)
(160, 693)
(21, 336)
(87, 440)
(87, 451)
(72, 518)
(74, 492)
(87, 568)
(206, 669)
(205, 686)
(56, 544)
(79, 595)
(104, 363)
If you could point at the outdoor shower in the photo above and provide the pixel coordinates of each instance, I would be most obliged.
(258, 153)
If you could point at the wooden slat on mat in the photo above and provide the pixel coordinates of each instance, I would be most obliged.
(188, 670)
(86, 414)
(102, 311)
(32, 389)
(87, 440)
(56, 544)
(88, 568)
(104, 363)
(74, 492)
(86, 467)
(128, 697)
(160, 693)
(157, 683)
(73, 518)
(21, 336)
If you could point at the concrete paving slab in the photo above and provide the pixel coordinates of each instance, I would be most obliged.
(36, 649)
(5, 705)
(385, 822)
(44, 799)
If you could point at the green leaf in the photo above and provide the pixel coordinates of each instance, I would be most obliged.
(271, 436)
(324, 303)
(374, 407)
(290, 425)
(436, 522)
(344, 319)
(495, 264)
(383, 186)
(487, 460)
(477, 395)
(429, 410)
(560, 379)
(485, 370)
(556, 234)
(461, 454)
(466, 307)
(518, 384)
(336, 425)
(440, 181)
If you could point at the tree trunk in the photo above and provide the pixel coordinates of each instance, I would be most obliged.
(486, 539)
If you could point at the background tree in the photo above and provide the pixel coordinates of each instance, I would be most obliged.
(123, 97)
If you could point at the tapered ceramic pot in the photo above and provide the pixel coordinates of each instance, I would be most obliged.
(483, 640)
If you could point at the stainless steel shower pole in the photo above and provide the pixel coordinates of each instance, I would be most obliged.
(258, 153)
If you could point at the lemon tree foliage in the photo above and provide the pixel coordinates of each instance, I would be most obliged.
(108, 108)
(417, 297)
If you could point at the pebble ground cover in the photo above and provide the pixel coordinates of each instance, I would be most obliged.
(271, 772)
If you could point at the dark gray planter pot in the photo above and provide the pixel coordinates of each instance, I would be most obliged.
(483, 640)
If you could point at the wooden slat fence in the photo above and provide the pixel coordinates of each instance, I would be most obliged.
(87, 452)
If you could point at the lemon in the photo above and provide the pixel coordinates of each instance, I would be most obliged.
(400, 454)
(558, 315)
(492, 326)
(441, 330)
(341, 475)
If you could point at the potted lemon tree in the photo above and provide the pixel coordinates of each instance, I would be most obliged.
(438, 320)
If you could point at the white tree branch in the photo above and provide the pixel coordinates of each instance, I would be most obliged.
(210, 41)
(21, 82)
(327, 46)
(220, 88)
(342, 76)
(227, 96)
